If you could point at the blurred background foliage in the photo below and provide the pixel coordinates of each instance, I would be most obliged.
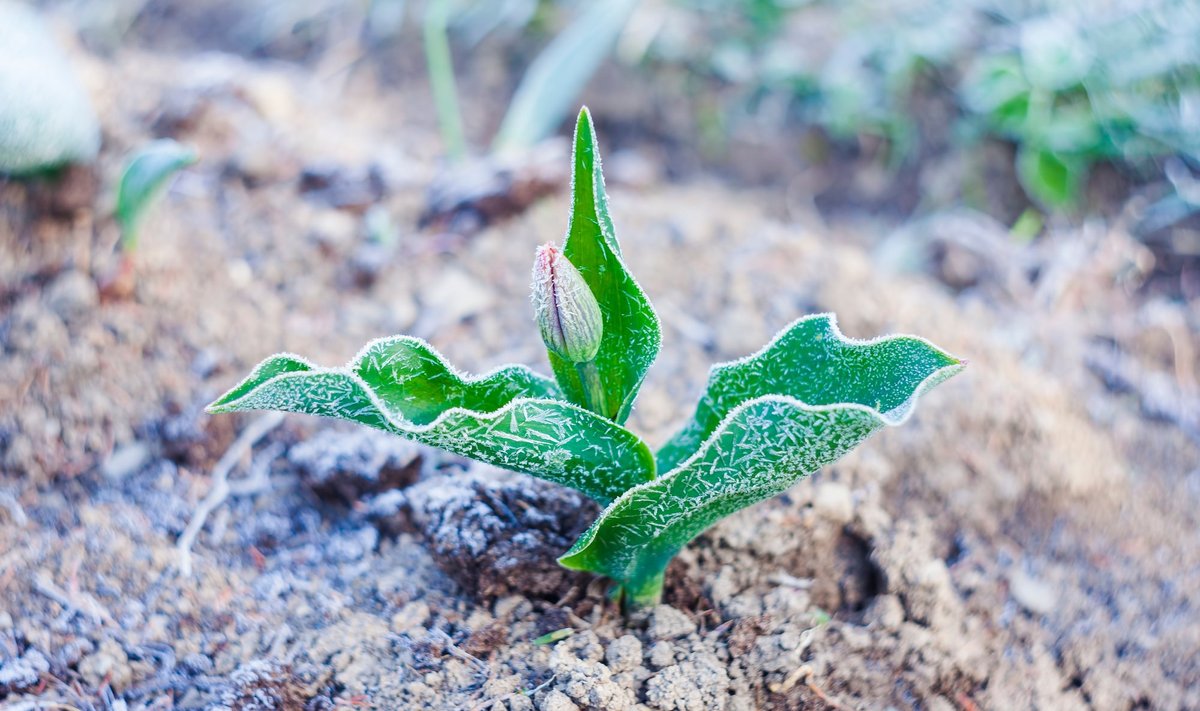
(1016, 107)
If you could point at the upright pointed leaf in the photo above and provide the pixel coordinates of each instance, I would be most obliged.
(758, 450)
(631, 330)
(811, 361)
(144, 179)
(511, 417)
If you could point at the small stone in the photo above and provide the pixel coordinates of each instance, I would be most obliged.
(455, 295)
(72, 294)
(1034, 595)
(885, 611)
(590, 685)
(700, 684)
(555, 700)
(624, 653)
(512, 607)
(196, 663)
(834, 502)
(24, 671)
(588, 647)
(662, 654)
(109, 662)
(125, 460)
(411, 616)
(668, 623)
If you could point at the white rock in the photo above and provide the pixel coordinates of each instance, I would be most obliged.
(1032, 594)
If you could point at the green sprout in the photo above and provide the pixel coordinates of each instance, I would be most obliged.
(763, 423)
(146, 176)
(555, 636)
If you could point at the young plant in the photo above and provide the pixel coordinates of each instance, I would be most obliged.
(764, 422)
(146, 176)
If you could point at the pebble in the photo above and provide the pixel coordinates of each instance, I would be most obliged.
(411, 616)
(834, 502)
(1034, 595)
(662, 654)
(125, 460)
(624, 653)
(72, 294)
(885, 611)
(456, 295)
(555, 700)
(24, 671)
(668, 623)
(109, 663)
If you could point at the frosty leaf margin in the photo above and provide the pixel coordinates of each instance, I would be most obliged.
(514, 419)
(758, 449)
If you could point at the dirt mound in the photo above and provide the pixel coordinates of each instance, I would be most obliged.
(1028, 540)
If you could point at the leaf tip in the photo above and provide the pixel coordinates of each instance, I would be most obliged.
(221, 405)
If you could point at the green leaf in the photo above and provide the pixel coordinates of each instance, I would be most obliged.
(1053, 179)
(632, 336)
(811, 361)
(760, 446)
(555, 636)
(144, 179)
(512, 417)
(555, 79)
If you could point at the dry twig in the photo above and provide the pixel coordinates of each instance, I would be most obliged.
(221, 487)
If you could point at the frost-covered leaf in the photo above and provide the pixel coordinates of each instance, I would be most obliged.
(1053, 53)
(811, 361)
(758, 438)
(632, 335)
(145, 177)
(511, 417)
(46, 118)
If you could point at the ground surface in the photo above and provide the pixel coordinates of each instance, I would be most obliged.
(1029, 540)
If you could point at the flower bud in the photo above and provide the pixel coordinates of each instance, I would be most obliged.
(567, 313)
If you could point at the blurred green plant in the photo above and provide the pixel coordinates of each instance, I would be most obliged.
(1085, 85)
(548, 87)
(46, 118)
(1069, 83)
(441, 77)
(146, 176)
(764, 422)
(555, 79)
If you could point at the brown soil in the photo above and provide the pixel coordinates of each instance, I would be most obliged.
(1029, 540)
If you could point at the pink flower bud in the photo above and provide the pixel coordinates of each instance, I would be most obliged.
(567, 313)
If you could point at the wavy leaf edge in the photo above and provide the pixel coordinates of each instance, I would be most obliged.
(886, 419)
(349, 370)
(908, 405)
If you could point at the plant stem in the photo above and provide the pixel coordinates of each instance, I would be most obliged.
(593, 390)
(644, 593)
(441, 77)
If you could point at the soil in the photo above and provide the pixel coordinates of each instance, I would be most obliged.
(1029, 540)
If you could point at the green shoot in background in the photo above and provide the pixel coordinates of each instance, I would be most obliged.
(146, 177)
